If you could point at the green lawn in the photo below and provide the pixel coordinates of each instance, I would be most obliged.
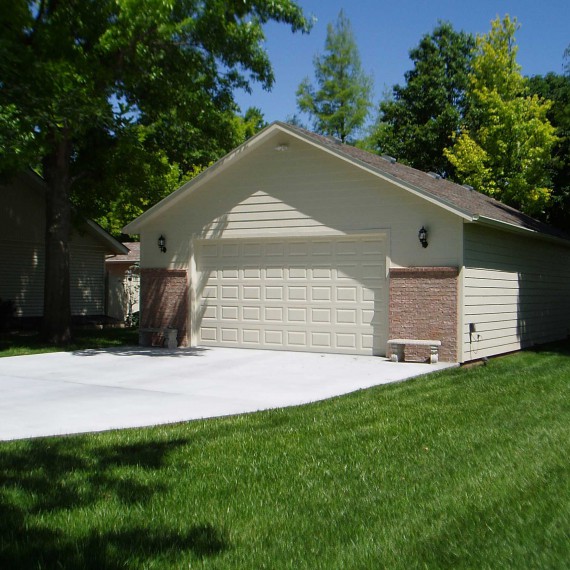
(468, 468)
(18, 344)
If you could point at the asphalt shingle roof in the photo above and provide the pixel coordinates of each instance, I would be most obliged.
(133, 256)
(469, 201)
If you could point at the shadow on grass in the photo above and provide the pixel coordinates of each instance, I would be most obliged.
(30, 342)
(45, 479)
(36, 547)
(561, 348)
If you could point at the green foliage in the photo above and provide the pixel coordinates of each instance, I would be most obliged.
(462, 469)
(340, 104)
(253, 122)
(505, 146)
(556, 88)
(417, 120)
(147, 84)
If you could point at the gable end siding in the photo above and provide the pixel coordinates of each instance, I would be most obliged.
(87, 279)
(515, 292)
(301, 192)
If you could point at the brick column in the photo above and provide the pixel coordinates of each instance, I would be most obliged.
(423, 305)
(164, 300)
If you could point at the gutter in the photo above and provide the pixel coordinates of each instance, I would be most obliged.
(514, 228)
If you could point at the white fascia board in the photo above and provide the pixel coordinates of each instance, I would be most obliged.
(193, 185)
(514, 228)
(384, 175)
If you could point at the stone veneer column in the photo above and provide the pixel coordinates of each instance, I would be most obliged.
(423, 305)
(164, 300)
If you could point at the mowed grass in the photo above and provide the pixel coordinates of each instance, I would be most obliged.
(22, 343)
(468, 468)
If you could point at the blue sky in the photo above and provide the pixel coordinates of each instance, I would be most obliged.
(385, 31)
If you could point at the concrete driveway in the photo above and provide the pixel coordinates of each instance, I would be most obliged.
(96, 390)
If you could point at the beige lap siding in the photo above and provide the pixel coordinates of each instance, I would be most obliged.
(515, 292)
(423, 306)
(164, 300)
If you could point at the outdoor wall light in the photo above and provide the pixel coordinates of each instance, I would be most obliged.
(162, 243)
(422, 236)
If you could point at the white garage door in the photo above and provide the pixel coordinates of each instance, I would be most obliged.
(317, 294)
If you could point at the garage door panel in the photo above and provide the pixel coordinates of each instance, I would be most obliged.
(322, 273)
(251, 313)
(208, 334)
(297, 293)
(274, 273)
(274, 314)
(230, 273)
(251, 293)
(296, 315)
(252, 337)
(274, 293)
(321, 316)
(230, 313)
(296, 339)
(347, 293)
(273, 338)
(252, 273)
(321, 340)
(296, 273)
(320, 294)
(346, 341)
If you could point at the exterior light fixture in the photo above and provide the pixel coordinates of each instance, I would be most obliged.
(162, 243)
(422, 236)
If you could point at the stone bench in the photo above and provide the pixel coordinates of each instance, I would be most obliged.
(398, 344)
(170, 336)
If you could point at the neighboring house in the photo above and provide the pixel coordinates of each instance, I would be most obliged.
(294, 241)
(123, 283)
(22, 241)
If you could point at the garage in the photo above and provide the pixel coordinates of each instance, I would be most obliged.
(325, 294)
(294, 241)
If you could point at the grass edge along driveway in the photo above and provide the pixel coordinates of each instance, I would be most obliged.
(467, 468)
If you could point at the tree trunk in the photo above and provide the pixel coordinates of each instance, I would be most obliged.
(56, 327)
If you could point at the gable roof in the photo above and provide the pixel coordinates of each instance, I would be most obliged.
(132, 256)
(464, 201)
(92, 228)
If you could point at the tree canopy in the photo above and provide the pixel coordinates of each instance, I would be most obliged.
(89, 87)
(417, 121)
(340, 103)
(556, 89)
(504, 147)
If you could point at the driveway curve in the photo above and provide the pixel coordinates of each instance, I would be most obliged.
(96, 390)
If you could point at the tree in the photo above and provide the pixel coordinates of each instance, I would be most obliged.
(77, 77)
(416, 122)
(253, 121)
(504, 147)
(556, 89)
(341, 103)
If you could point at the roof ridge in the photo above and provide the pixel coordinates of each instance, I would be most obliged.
(474, 203)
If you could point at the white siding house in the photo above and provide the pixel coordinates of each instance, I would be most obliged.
(22, 229)
(294, 241)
